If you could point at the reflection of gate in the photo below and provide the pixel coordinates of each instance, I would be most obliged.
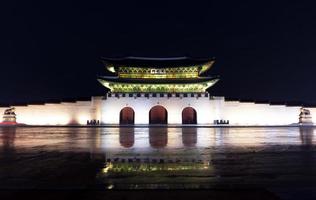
(127, 136)
(189, 116)
(158, 137)
(189, 136)
(158, 115)
(127, 115)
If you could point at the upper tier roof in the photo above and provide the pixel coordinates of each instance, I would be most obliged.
(143, 62)
(156, 62)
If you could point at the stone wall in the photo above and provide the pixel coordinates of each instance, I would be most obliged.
(208, 108)
(203, 104)
(239, 113)
(64, 113)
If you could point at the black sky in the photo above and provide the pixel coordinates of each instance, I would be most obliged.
(264, 51)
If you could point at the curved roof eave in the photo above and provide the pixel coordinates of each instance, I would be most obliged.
(207, 66)
(155, 62)
(157, 81)
(206, 84)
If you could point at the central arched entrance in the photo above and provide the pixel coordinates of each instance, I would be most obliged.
(158, 115)
(189, 116)
(127, 116)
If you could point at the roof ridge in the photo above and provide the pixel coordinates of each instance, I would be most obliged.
(154, 58)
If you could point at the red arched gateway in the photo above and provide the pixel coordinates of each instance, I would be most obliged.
(158, 115)
(189, 116)
(127, 116)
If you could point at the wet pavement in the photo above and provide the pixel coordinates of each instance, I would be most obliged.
(275, 162)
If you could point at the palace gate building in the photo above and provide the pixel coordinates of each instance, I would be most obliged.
(145, 91)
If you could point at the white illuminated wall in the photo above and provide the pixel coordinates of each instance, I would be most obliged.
(313, 113)
(203, 105)
(208, 109)
(107, 110)
(64, 113)
(239, 113)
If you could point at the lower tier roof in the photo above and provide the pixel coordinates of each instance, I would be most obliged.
(154, 85)
(157, 80)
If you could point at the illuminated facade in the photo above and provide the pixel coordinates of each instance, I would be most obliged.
(170, 91)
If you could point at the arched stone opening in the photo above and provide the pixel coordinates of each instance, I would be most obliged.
(158, 115)
(127, 116)
(189, 116)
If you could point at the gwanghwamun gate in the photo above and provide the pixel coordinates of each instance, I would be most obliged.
(171, 91)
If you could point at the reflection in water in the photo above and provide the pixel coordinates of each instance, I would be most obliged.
(306, 135)
(221, 136)
(7, 135)
(95, 141)
(136, 155)
(158, 137)
(142, 138)
(127, 136)
(189, 136)
(307, 158)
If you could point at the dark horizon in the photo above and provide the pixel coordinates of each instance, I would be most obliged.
(264, 52)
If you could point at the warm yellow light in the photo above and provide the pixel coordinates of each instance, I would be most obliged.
(159, 87)
(108, 167)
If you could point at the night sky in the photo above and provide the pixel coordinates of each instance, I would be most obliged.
(263, 51)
